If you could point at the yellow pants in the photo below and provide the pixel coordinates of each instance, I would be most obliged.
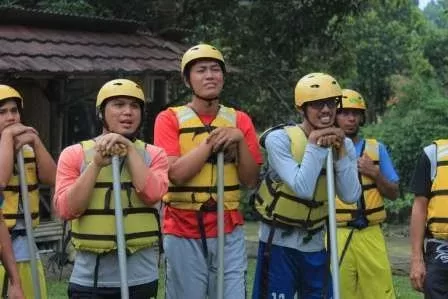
(365, 270)
(26, 279)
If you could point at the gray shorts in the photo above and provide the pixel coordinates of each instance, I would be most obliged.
(190, 275)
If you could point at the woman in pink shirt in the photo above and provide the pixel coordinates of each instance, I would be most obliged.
(83, 195)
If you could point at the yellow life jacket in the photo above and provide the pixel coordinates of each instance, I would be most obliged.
(201, 188)
(371, 201)
(276, 202)
(95, 230)
(12, 206)
(437, 216)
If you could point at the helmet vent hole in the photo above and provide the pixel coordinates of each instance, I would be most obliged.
(118, 83)
(315, 86)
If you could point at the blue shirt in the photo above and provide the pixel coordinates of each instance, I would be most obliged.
(386, 166)
(386, 169)
(1, 200)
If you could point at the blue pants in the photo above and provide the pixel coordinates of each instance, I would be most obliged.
(291, 271)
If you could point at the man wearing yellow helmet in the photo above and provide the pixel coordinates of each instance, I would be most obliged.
(364, 265)
(83, 194)
(192, 135)
(40, 168)
(292, 197)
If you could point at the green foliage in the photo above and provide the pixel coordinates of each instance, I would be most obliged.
(246, 206)
(399, 204)
(436, 48)
(399, 210)
(383, 41)
(437, 13)
(419, 118)
(80, 7)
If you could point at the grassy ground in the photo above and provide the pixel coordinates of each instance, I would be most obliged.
(57, 290)
(398, 248)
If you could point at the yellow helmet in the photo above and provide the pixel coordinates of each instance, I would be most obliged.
(352, 100)
(8, 93)
(119, 87)
(201, 51)
(316, 86)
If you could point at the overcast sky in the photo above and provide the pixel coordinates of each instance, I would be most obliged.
(422, 3)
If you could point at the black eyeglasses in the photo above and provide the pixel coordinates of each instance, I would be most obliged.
(320, 104)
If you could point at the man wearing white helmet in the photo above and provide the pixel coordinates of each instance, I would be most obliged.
(40, 168)
(192, 134)
(292, 197)
(84, 185)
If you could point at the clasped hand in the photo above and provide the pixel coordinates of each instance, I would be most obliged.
(222, 139)
(21, 135)
(108, 145)
(327, 137)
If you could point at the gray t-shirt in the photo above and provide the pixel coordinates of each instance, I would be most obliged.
(302, 180)
(142, 267)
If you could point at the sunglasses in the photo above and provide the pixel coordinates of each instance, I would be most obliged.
(330, 103)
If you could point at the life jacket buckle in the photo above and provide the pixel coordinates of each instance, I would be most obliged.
(209, 206)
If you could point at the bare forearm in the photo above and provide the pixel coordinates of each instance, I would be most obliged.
(7, 254)
(386, 188)
(417, 227)
(78, 196)
(6, 159)
(45, 164)
(248, 169)
(186, 167)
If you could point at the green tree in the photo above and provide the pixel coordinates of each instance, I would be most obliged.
(384, 41)
(437, 41)
(414, 122)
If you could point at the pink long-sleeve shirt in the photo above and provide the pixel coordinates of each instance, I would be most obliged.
(69, 170)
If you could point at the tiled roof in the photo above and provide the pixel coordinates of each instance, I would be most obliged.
(43, 50)
(16, 15)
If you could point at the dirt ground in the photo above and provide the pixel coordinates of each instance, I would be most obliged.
(397, 241)
(399, 248)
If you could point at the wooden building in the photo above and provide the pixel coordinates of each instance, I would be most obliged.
(58, 62)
